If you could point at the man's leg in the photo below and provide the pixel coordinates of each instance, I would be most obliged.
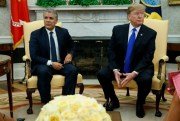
(44, 74)
(70, 73)
(144, 82)
(105, 77)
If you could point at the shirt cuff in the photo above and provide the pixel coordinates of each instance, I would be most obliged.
(116, 70)
(49, 63)
(136, 72)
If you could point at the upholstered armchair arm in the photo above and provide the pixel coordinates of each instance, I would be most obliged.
(28, 65)
(25, 57)
(178, 61)
(165, 58)
(162, 61)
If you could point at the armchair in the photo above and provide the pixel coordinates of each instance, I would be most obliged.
(31, 80)
(160, 58)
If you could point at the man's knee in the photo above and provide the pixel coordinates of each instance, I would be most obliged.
(72, 70)
(43, 70)
(104, 74)
(100, 74)
(144, 82)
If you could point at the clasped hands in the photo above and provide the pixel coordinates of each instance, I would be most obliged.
(59, 66)
(128, 78)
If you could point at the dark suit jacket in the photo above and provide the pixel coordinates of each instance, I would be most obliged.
(143, 50)
(40, 49)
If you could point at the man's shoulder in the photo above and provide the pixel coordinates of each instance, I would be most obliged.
(120, 26)
(39, 30)
(61, 28)
(148, 29)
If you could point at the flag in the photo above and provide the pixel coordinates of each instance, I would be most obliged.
(19, 13)
(153, 9)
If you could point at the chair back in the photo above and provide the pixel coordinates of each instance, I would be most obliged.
(161, 27)
(28, 27)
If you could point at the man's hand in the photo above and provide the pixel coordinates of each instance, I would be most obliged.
(68, 59)
(129, 77)
(57, 65)
(117, 75)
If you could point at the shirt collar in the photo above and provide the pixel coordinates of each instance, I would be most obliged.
(48, 31)
(131, 27)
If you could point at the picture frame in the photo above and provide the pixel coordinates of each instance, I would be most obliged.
(174, 2)
(2, 3)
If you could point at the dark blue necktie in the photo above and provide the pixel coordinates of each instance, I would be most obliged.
(129, 51)
(53, 48)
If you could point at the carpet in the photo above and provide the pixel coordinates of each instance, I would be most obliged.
(127, 104)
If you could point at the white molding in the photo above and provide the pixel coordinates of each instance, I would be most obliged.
(93, 20)
(174, 39)
(5, 39)
(78, 7)
(8, 39)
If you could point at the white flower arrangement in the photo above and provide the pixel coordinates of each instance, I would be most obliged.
(73, 108)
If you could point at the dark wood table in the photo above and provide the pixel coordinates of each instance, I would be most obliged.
(5, 68)
(7, 48)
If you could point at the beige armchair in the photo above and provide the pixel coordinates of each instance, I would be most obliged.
(31, 80)
(160, 58)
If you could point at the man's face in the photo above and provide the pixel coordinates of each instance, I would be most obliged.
(136, 17)
(50, 20)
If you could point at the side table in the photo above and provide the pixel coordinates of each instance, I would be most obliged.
(8, 47)
(5, 68)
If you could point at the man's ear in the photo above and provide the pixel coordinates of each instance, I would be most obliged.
(128, 17)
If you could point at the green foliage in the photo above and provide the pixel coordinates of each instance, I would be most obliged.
(53, 3)
(84, 2)
(116, 2)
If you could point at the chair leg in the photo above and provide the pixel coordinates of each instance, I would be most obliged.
(163, 91)
(81, 87)
(29, 97)
(158, 98)
(127, 94)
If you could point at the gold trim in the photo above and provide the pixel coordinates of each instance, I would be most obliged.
(174, 2)
(154, 6)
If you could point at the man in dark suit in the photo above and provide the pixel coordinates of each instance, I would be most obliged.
(51, 51)
(136, 64)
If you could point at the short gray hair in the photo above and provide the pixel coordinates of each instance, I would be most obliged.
(51, 11)
(135, 6)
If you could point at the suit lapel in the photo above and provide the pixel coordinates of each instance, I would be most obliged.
(125, 35)
(45, 40)
(59, 37)
(138, 40)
